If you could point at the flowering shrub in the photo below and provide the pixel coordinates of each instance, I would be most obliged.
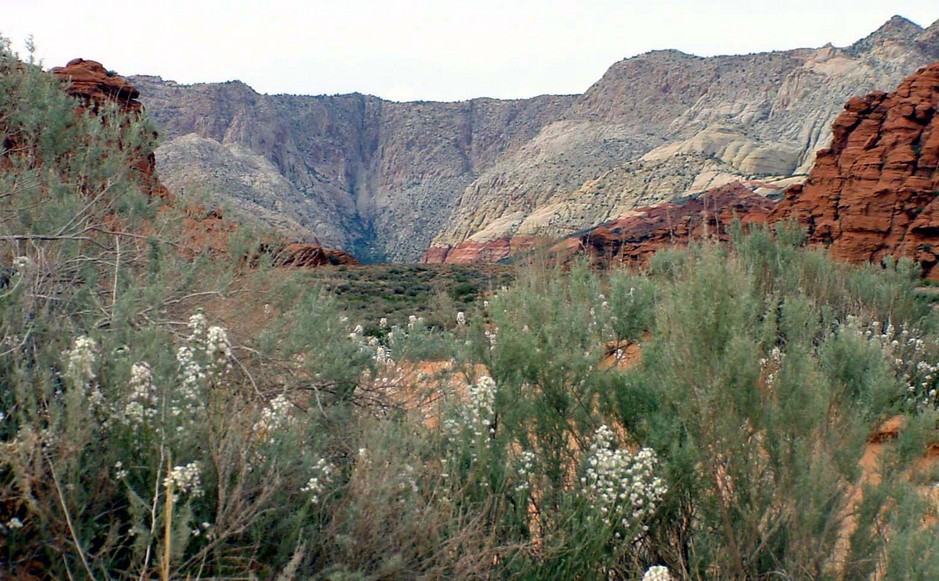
(185, 479)
(915, 362)
(475, 416)
(274, 417)
(141, 406)
(622, 487)
(80, 361)
(316, 485)
(526, 463)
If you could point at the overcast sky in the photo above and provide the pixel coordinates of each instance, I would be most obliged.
(424, 49)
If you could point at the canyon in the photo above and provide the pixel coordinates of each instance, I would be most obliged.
(480, 180)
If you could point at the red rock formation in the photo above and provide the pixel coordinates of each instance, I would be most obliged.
(305, 255)
(633, 239)
(874, 191)
(95, 87)
(470, 252)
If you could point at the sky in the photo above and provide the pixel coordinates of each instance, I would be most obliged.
(424, 49)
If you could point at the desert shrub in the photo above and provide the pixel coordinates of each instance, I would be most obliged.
(178, 416)
(758, 391)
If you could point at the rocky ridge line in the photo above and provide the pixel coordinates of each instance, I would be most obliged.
(669, 125)
(95, 87)
(873, 193)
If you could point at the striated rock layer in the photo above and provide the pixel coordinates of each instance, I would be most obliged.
(495, 250)
(874, 191)
(632, 239)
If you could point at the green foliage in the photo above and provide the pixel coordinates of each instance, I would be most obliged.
(196, 417)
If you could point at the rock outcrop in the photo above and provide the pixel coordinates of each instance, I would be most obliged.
(495, 250)
(667, 124)
(95, 87)
(875, 191)
(388, 180)
(304, 255)
(632, 239)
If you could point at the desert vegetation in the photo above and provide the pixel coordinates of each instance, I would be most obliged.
(170, 416)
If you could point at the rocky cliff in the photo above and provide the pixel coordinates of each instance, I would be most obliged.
(97, 88)
(476, 179)
(666, 124)
(874, 191)
(373, 176)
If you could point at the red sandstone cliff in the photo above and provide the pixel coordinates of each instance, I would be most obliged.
(874, 191)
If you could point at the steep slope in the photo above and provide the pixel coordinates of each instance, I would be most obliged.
(666, 124)
(388, 180)
(96, 88)
(874, 191)
(370, 175)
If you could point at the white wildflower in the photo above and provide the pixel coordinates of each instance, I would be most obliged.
(622, 487)
(185, 479)
(477, 415)
(491, 337)
(190, 374)
(274, 417)
(198, 326)
(217, 348)
(14, 523)
(657, 573)
(141, 403)
(322, 476)
(80, 361)
(525, 464)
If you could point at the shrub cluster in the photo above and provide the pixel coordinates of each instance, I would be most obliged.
(170, 417)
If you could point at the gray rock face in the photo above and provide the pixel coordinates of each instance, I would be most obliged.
(374, 177)
(386, 180)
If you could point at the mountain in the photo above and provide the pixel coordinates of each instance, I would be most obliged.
(474, 180)
(369, 175)
(96, 89)
(872, 193)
